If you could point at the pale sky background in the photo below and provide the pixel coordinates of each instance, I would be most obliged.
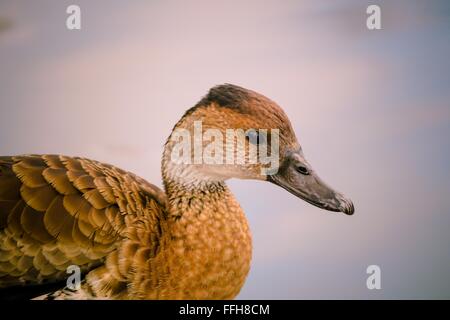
(371, 110)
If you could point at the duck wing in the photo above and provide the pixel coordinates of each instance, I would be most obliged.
(58, 211)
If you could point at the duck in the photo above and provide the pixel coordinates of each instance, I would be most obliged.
(131, 240)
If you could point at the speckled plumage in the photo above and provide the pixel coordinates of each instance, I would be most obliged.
(132, 240)
(56, 211)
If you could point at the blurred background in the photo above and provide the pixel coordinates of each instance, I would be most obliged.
(370, 108)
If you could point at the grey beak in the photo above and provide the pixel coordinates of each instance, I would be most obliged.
(296, 176)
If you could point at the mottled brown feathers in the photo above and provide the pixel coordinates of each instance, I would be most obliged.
(56, 211)
(129, 238)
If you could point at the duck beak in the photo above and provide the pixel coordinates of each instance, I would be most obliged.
(296, 176)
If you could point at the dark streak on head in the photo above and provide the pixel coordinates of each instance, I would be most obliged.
(224, 95)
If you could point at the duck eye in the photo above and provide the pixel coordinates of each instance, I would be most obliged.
(302, 170)
(255, 137)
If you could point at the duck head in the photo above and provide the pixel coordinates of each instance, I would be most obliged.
(234, 132)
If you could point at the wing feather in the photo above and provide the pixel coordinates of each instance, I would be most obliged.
(58, 179)
(38, 198)
(58, 221)
(32, 222)
(57, 210)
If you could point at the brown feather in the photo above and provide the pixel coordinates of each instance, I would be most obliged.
(9, 186)
(29, 175)
(58, 221)
(25, 262)
(96, 199)
(14, 225)
(57, 177)
(53, 161)
(38, 198)
(97, 218)
(105, 189)
(32, 222)
(80, 239)
(71, 164)
(43, 265)
(84, 182)
(56, 257)
(5, 208)
(77, 206)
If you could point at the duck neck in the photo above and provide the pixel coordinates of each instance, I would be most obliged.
(191, 201)
(203, 205)
(210, 241)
